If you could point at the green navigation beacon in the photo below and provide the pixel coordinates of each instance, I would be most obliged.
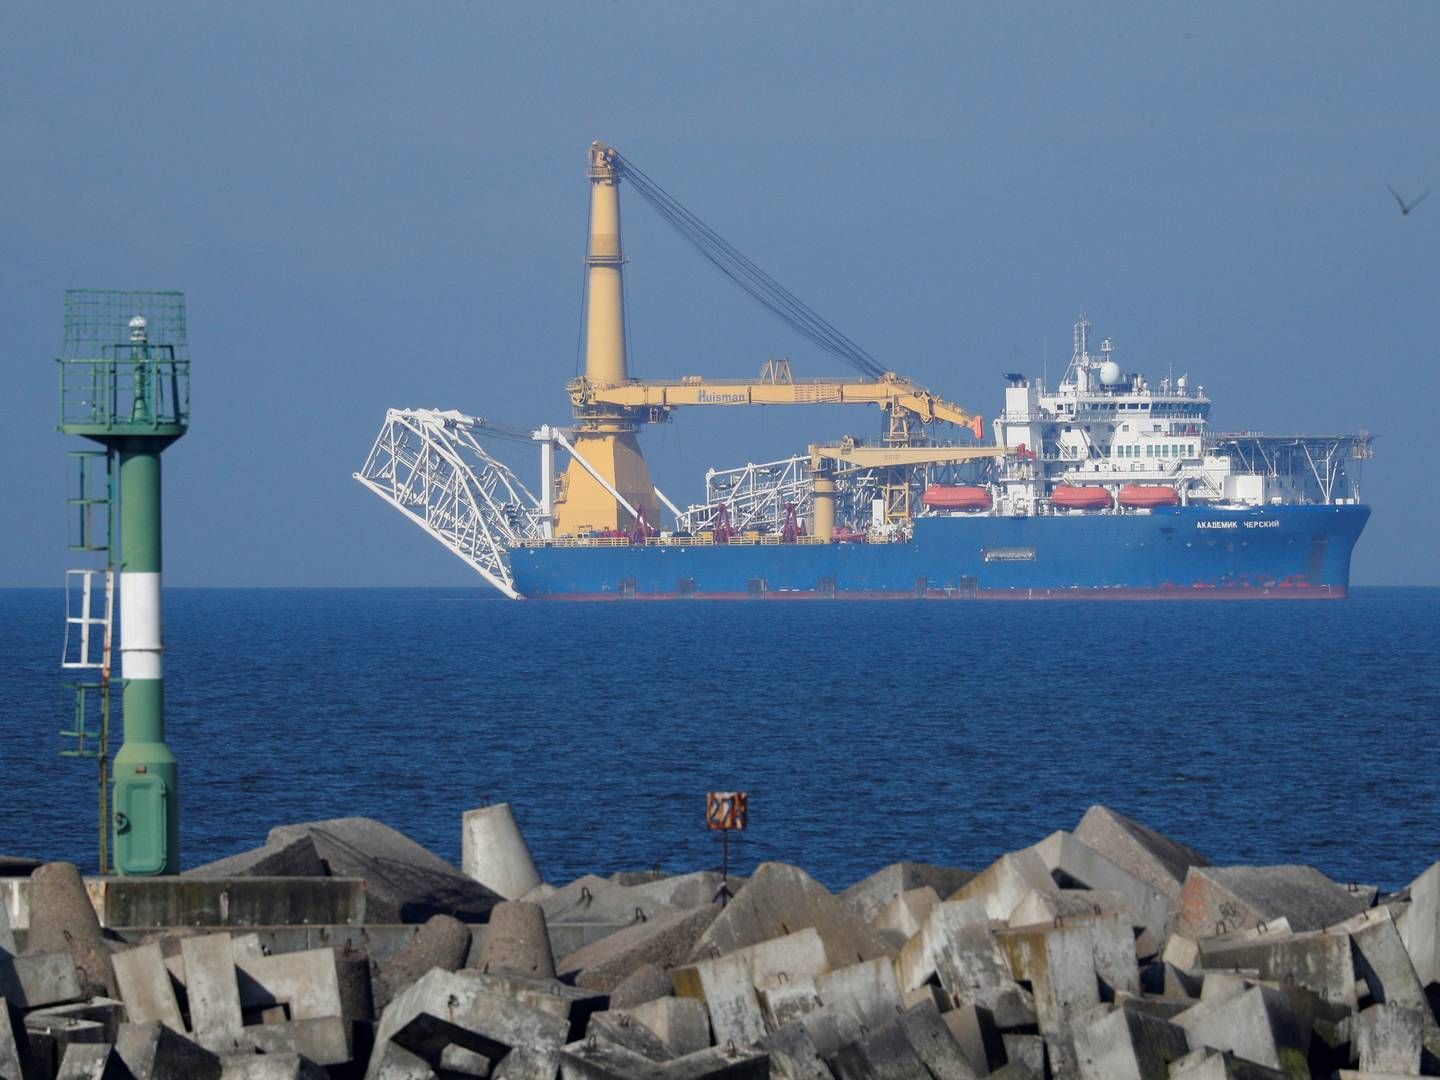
(125, 383)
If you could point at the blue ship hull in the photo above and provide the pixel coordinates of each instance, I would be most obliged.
(1274, 552)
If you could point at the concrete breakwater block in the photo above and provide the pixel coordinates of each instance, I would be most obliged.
(1389, 1039)
(907, 911)
(594, 1059)
(1066, 967)
(681, 1024)
(17, 1059)
(1317, 960)
(495, 854)
(1258, 1025)
(1139, 850)
(698, 889)
(91, 1061)
(443, 1008)
(229, 902)
(154, 1050)
(623, 1030)
(146, 987)
(593, 899)
(443, 942)
(1073, 863)
(666, 941)
(575, 1005)
(1128, 1045)
(404, 881)
(516, 940)
(277, 1066)
(34, 980)
(869, 896)
(289, 858)
(213, 992)
(7, 932)
(645, 983)
(1220, 899)
(307, 984)
(780, 899)
(63, 920)
(1210, 1064)
(1005, 882)
(729, 984)
(1057, 963)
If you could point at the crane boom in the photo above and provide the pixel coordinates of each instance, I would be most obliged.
(640, 399)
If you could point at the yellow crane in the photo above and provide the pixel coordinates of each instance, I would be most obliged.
(650, 400)
(609, 405)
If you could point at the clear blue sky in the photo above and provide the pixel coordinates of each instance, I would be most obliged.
(384, 204)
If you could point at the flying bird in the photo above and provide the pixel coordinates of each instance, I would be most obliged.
(1405, 207)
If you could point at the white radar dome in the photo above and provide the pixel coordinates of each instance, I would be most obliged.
(1109, 373)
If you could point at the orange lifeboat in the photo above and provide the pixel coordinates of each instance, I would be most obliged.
(951, 497)
(1148, 496)
(1068, 497)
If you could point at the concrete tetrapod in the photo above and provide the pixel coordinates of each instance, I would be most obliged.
(495, 854)
(516, 939)
(62, 919)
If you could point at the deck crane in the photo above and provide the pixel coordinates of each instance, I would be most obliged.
(609, 405)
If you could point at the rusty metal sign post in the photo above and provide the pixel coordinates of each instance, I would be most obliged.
(724, 811)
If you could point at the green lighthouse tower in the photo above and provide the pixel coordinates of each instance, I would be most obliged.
(125, 383)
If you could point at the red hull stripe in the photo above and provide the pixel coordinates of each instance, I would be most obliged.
(1278, 592)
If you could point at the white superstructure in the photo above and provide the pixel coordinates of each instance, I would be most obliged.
(1103, 426)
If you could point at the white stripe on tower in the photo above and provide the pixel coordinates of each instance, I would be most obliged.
(140, 646)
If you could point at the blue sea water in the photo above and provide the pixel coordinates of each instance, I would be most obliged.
(864, 733)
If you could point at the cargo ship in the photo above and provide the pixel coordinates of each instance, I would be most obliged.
(1107, 485)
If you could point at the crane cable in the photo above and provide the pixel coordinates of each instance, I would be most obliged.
(755, 281)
